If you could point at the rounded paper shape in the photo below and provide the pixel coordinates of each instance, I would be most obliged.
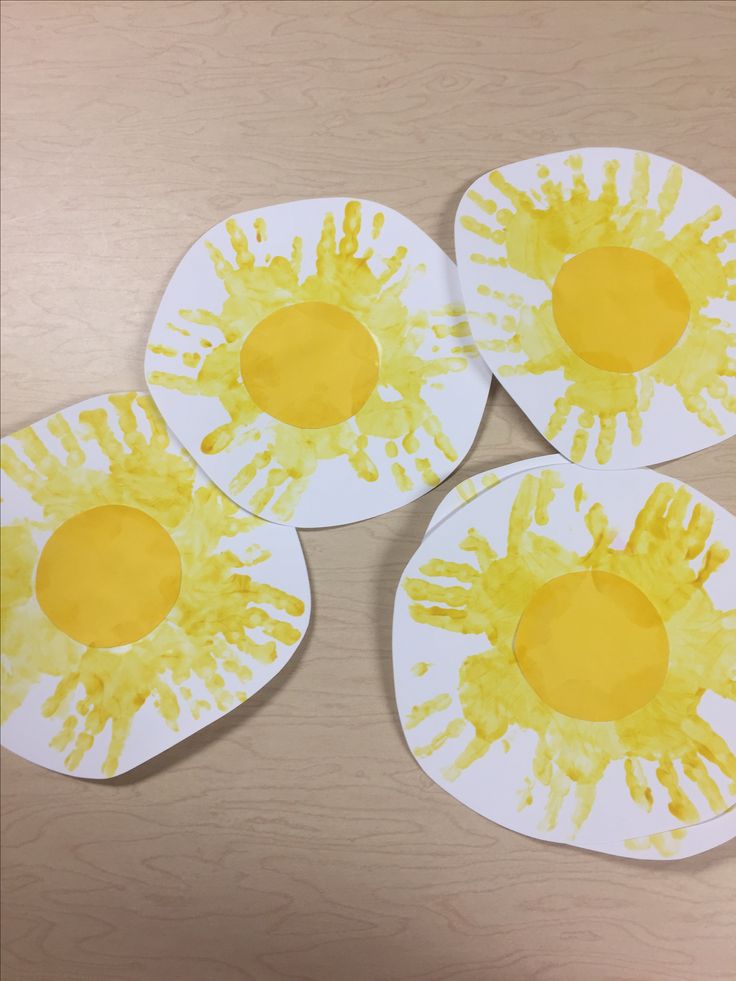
(679, 843)
(382, 366)
(600, 285)
(225, 603)
(480, 731)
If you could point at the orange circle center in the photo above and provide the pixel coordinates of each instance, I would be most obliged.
(310, 365)
(619, 309)
(108, 576)
(592, 646)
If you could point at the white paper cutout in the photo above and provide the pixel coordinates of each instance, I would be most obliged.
(510, 248)
(238, 616)
(378, 269)
(492, 784)
(679, 843)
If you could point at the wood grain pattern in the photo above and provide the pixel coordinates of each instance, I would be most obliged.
(296, 838)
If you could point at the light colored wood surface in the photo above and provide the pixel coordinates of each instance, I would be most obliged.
(297, 838)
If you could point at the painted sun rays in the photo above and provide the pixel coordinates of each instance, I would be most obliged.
(314, 369)
(141, 603)
(604, 285)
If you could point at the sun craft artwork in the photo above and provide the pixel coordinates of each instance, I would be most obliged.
(575, 672)
(679, 843)
(319, 368)
(138, 602)
(603, 289)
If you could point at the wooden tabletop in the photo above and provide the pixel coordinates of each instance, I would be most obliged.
(297, 838)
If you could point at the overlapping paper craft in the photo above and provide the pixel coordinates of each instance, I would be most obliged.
(680, 843)
(139, 604)
(578, 657)
(316, 360)
(601, 288)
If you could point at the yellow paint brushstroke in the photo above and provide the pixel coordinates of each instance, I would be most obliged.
(208, 632)
(488, 597)
(451, 731)
(537, 236)
(395, 409)
(402, 478)
(421, 712)
(667, 843)
(467, 490)
(420, 668)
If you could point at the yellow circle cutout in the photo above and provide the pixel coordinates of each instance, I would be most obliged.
(108, 576)
(592, 646)
(619, 309)
(310, 365)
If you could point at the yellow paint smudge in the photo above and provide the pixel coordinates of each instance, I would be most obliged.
(402, 478)
(467, 490)
(420, 668)
(667, 843)
(488, 600)
(209, 631)
(259, 226)
(526, 794)
(426, 472)
(281, 469)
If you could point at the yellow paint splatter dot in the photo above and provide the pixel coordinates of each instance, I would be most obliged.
(420, 668)
(310, 365)
(592, 646)
(619, 309)
(108, 576)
